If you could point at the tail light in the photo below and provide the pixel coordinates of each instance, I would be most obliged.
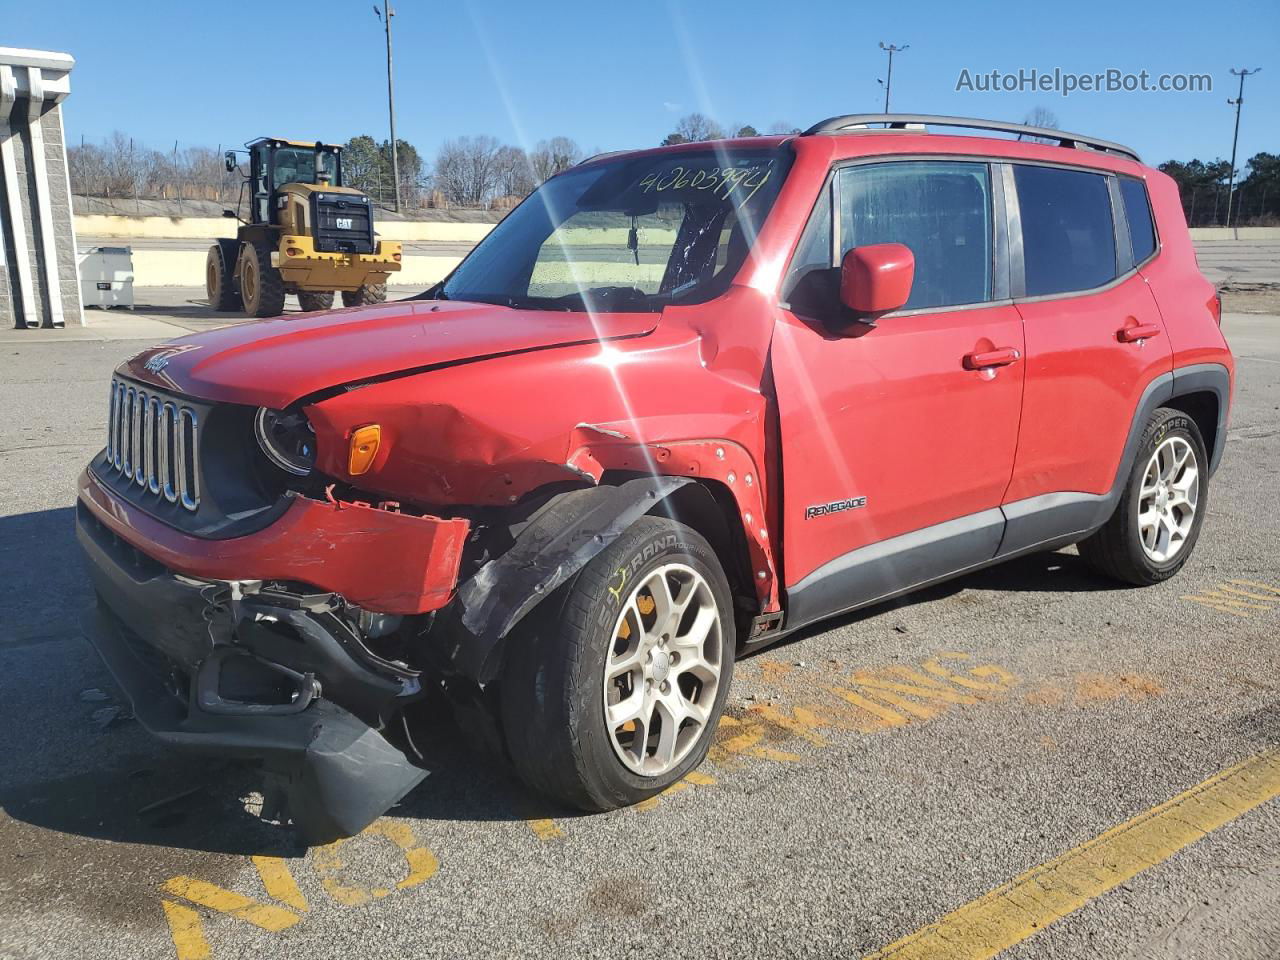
(396, 257)
(293, 251)
(1215, 307)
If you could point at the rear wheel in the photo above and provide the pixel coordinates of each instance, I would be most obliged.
(311, 300)
(260, 283)
(369, 293)
(1157, 521)
(219, 277)
(613, 687)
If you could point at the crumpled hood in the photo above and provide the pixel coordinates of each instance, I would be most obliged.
(272, 363)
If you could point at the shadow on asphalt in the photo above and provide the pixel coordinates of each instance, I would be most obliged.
(122, 787)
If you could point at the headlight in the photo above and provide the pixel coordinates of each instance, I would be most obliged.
(287, 439)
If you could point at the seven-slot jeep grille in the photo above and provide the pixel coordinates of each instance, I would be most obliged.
(152, 441)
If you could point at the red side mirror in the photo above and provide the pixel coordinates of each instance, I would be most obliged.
(876, 279)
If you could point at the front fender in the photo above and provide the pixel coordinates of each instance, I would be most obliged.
(557, 543)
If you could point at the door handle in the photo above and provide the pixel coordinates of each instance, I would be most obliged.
(991, 358)
(1141, 332)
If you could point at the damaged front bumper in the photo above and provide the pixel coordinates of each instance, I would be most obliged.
(269, 672)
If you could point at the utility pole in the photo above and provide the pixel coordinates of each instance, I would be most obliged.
(1238, 102)
(888, 83)
(391, 103)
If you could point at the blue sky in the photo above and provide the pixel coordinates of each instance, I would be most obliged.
(614, 74)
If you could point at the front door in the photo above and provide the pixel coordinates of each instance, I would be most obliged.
(899, 437)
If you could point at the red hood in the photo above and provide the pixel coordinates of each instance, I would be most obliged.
(271, 363)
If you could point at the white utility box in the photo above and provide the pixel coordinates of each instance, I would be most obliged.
(106, 277)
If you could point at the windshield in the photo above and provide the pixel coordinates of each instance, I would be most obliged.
(298, 165)
(628, 235)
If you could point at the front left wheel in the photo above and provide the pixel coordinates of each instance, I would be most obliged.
(613, 687)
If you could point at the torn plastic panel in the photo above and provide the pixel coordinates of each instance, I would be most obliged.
(557, 544)
(336, 772)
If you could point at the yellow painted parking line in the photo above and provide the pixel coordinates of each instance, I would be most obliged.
(279, 882)
(188, 934)
(545, 828)
(206, 894)
(1019, 909)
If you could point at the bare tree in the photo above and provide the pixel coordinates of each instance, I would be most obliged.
(514, 172)
(1042, 117)
(783, 128)
(694, 127)
(553, 156)
(466, 170)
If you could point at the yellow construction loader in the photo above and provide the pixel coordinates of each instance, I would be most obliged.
(306, 233)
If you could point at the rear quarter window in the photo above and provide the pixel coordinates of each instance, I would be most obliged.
(1068, 235)
(1137, 210)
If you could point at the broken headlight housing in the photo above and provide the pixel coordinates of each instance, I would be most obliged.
(287, 439)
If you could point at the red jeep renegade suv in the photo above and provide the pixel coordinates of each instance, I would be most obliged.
(678, 404)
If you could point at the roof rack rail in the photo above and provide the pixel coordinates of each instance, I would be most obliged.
(905, 121)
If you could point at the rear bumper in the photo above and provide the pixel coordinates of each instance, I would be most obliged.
(383, 561)
(335, 271)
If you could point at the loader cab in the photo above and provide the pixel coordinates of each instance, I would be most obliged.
(275, 163)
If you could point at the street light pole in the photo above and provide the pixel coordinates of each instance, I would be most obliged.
(1238, 102)
(888, 83)
(391, 104)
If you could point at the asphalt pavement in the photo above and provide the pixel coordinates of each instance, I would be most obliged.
(1043, 761)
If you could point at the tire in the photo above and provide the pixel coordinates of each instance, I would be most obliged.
(313, 300)
(261, 285)
(369, 293)
(1129, 547)
(219, 277)
(553, 689)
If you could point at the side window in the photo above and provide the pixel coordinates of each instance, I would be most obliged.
(1068, 236)
(941, 210)
(1137, 210)
(810, 281)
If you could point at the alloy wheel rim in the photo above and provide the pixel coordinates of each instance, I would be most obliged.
(662, 670)
(1167, 499)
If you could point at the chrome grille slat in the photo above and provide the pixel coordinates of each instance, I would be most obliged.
(152, 442)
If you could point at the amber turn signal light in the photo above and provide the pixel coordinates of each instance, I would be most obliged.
(365, 442)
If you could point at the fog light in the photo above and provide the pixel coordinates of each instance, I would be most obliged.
(364, 449)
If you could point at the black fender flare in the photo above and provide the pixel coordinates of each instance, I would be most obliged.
(560, 540)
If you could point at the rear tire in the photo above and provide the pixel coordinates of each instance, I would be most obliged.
(1157, 521)
(369, 293)
(219, 277)
(261, 284)
(313, 300)
(601, 650)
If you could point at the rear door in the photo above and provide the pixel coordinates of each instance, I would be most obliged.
(1094, 342)
(896, 447)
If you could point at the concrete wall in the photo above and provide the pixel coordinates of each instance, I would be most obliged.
(209, 228)
(39, 285)
(1229, 233)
